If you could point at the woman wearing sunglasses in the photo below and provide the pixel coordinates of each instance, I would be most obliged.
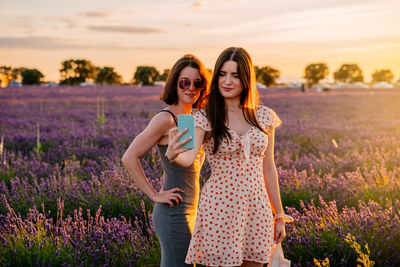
(176, 204)
(235, 225)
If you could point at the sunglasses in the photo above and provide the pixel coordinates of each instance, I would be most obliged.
(185, 84)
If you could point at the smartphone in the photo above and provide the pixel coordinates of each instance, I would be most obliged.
(186, 121)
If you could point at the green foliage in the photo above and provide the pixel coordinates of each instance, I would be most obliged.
(164, 75)
(101, 115)
(6, 176)
(349, 73)
(315, 72)
(17, 73)
(41, 252)
(322, 263)
(38, 147)
(152, 259)
(384, 75)
(27, 248)
(145, 75)
(362, 258)
(5, 75)
(31, 77)
(107, 75)
(1, 145)
(292, 197)
(319, 244)
(76, 71)
(267, 75)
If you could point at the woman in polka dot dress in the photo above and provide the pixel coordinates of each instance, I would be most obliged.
(235, 224)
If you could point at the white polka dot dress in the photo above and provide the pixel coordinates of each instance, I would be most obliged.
(234, 220)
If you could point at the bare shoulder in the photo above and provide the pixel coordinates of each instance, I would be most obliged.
(162, 121)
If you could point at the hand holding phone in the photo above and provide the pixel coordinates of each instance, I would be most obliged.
(186, 121)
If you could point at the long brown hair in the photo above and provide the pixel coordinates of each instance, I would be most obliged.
(249, 98)
(170, 95)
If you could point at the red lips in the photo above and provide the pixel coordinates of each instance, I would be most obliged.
(227, 89)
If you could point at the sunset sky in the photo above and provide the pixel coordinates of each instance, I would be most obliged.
(285, 34)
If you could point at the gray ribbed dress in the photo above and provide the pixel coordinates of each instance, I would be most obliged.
(175, 225)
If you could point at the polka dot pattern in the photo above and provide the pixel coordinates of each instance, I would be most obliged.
(234, 220)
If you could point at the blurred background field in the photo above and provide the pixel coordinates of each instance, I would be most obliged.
(65, 197)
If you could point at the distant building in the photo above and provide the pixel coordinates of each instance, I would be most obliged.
(15, 83)
(51, 84)
(338, 85)
(87, 84)
(261, 86)
(294, 85)
(159, 83)
(382, 85)
(358, 85)
(319, 87)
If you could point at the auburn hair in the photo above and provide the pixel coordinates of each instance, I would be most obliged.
(249, 98)
(170, 95)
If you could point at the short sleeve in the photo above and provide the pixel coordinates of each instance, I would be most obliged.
(200, 120)
(268, 117)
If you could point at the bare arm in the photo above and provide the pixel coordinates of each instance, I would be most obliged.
(157, 127)
(180, 156)
(272, 185)
(271, 176)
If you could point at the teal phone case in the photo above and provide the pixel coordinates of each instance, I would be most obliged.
(186, 121)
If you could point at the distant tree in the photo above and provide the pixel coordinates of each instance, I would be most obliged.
(145, 75)
(384, 75)
(348, 73)
(6, 75)
(315, 72)
(76, 71)
(31, 77)
(267, 75)
(107, 75)
(164, 75)
(17, 73)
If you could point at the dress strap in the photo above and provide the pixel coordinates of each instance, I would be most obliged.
(172, 114)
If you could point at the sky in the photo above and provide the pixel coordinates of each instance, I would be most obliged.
(285, 34)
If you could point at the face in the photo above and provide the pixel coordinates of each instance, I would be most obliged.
(229, 84)
(188, 84)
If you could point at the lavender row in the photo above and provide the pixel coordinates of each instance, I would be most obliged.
(344, 146)
(73, 240)
(113, 189)
(319, 232)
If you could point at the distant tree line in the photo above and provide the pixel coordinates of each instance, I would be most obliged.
(25, 75)
(77, 71)
(267, 75)
(347, 73)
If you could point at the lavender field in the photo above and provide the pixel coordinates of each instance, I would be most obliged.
(66, 199)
